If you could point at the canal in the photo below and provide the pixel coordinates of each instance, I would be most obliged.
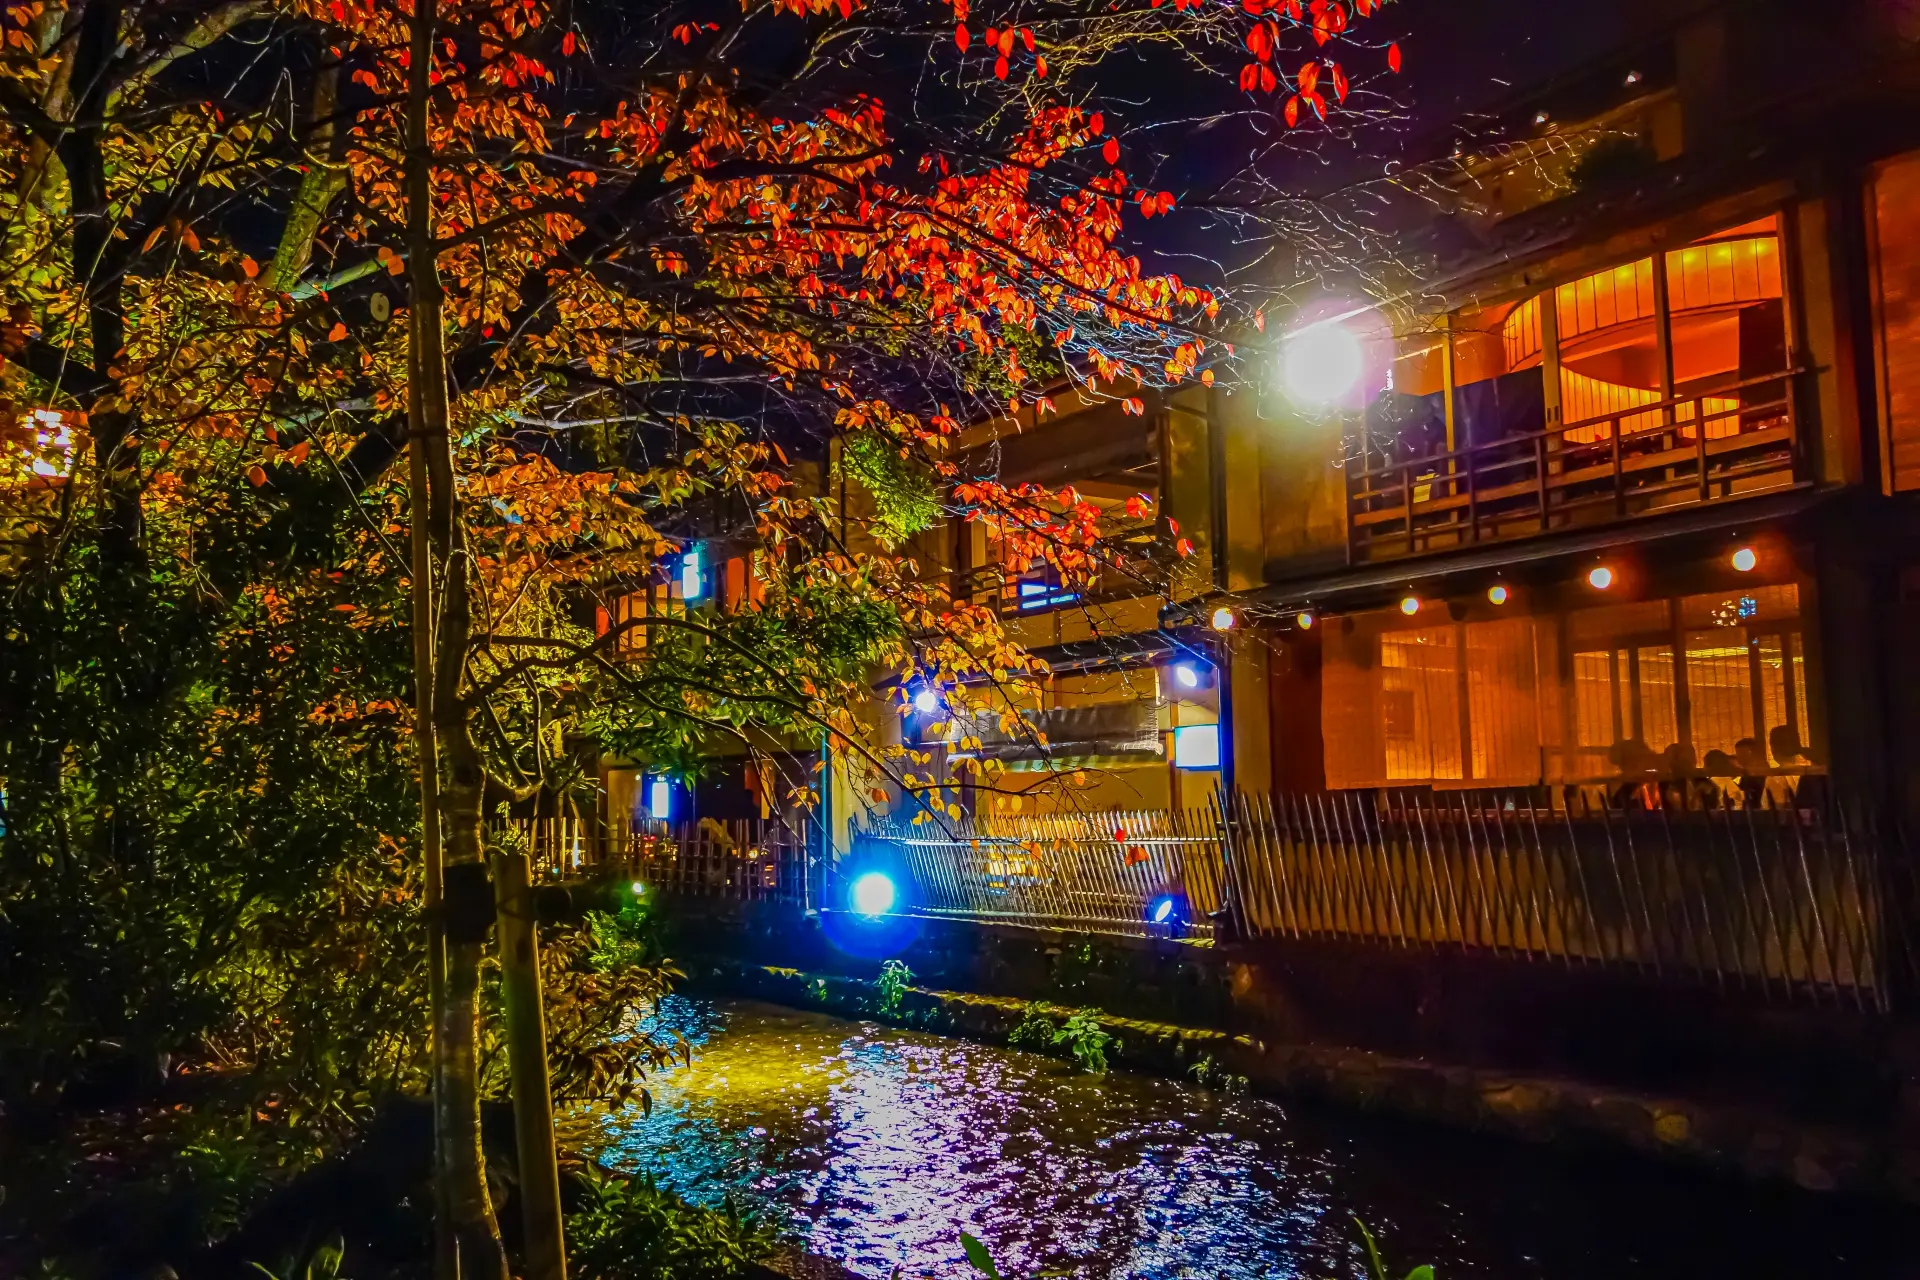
(879, 1146)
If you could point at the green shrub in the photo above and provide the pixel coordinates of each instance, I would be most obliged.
(1035, 1031)
(631, 1229)
(1085, 1040)
(890, 989)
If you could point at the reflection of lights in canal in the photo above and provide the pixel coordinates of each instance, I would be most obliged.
(881, 1146)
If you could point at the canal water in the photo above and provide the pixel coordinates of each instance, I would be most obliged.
(878, 1147)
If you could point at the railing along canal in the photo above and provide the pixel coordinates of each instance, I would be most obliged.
(1793, 904)
(746, 860)
(1101, 871)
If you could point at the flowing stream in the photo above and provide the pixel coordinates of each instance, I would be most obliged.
(879, 1146)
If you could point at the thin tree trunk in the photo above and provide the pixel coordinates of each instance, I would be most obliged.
(463, 1162)
(323, 181)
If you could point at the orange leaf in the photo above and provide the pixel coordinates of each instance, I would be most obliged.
(1136, 855)
(256, 475)
(1249, 76)
(1292, 113)
(1339, 83)
(568, 43)
(249, 268)
(299, 452)
(1040, 66)
(336, 333)
(396, 264)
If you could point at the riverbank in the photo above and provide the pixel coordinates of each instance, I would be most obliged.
(1536, 1109)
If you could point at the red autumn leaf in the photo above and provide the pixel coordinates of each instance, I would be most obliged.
(1184, 547)
(299, 452)
(1119, 835)
(1134, 405)
(1006, 42)
(1309, 77)
(1268, 81)
(256, 475)
(336, 333)
(1393, 56)
(568, 43)
(1173, 526)
(962, 37)
(1339, 83)
(1292, 114)
(1257, 39)
(1026, 38)
(1249, 76)
(1111, 152)
(999, 68)
(1097, 125)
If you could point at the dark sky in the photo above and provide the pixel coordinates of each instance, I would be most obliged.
(1458, 51)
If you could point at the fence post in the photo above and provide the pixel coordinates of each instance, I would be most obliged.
(1231, 921)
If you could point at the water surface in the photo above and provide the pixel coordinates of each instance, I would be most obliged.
(879, 1146)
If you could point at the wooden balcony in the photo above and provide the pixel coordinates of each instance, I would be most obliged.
(1714, 444)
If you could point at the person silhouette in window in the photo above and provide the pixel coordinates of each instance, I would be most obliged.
(1753, 768)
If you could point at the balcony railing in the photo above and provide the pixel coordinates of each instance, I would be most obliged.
(1723, 442)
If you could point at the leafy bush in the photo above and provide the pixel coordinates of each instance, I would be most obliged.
(1085, 1040)
(1035, 1030)
(1080, 1037)
(630, 1229)
(890, 988)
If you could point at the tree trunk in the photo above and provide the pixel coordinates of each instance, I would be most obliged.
(462, 1163)
(519, 941)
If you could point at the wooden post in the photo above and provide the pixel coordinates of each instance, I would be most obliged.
(527, 1061)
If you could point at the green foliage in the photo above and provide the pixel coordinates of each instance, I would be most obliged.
(1376, 1268)
(1209, 1074)
(1035, 1030)
(1084, 1040)
(321, 1264)
(978, 1257)
(905, 500)
(630, 1229)
(890, 988)
(1080, 1037)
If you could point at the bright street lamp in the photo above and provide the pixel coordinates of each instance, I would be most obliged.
(1322, 363)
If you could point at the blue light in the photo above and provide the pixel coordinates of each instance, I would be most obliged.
(1162, 910)
(1187, 676)
(873, 894)
(927, 700)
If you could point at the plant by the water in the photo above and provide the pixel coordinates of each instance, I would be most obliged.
(890, 988)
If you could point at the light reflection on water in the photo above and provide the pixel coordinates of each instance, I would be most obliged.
(880, 1146)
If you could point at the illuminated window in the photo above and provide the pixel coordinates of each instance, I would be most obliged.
(1896, 254)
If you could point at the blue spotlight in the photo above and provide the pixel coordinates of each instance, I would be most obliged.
(873, 894)
(1168, 911)
(1187, 675)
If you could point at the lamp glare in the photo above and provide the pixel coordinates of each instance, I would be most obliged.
(1305, 621)
(1497, 594)
(926, 701)
(1410, 605)
(1600, 579)
(1322, 363)
(873, 894)
(1223, 619)
(1744, 559)
(1188, 677)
